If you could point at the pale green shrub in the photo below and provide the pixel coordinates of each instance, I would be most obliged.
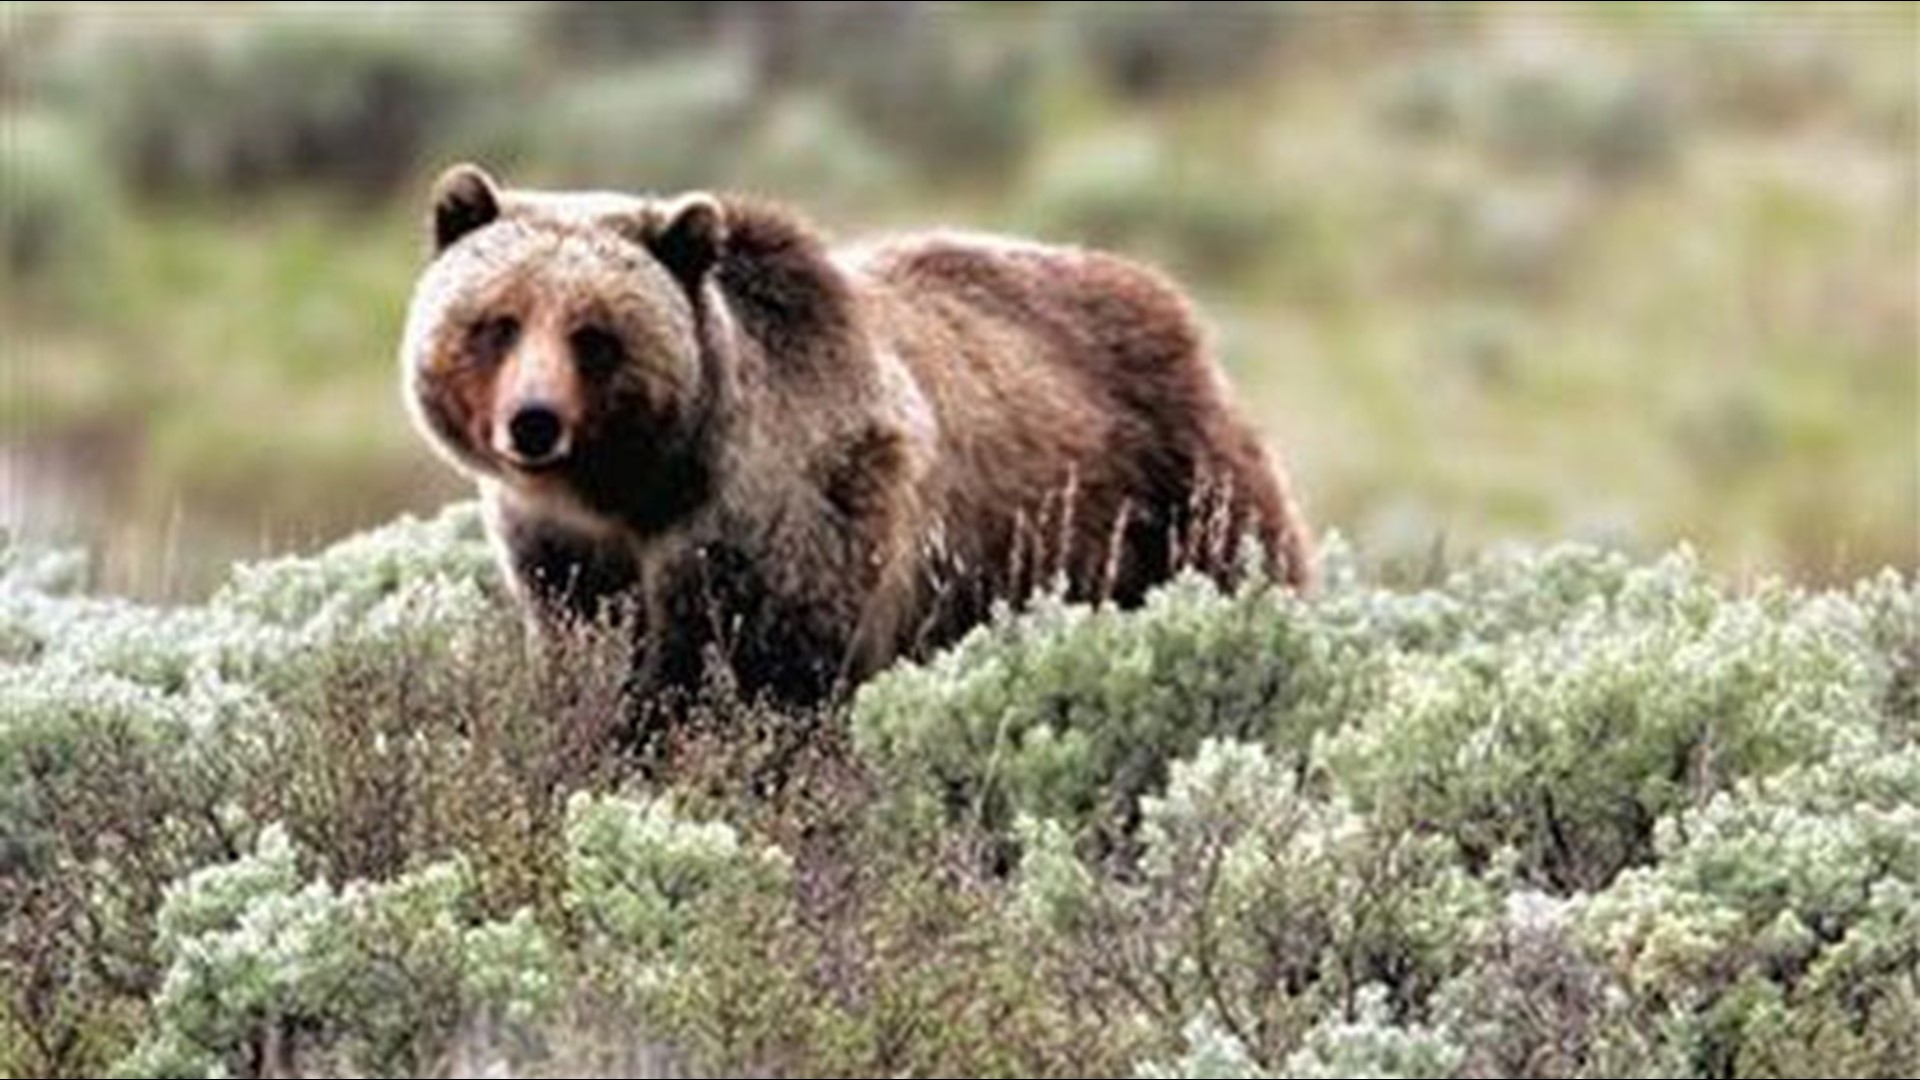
(1566, 744)
(1212, 1054)
(243, 104)
(58, 206)
(265, 971)
(1550, 814)
(1255, 903)
(361, 573)
(638, 878)
(1072, 713)
(1371, 1044)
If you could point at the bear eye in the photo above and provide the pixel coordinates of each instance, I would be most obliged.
(596, 350)
(490, 339)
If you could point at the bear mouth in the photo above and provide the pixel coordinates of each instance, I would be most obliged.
(542, 469)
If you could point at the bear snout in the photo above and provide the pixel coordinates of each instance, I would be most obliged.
(534, 435)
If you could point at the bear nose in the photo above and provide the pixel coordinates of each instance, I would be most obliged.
(535, 433)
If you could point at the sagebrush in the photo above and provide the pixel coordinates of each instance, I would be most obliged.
(1560, 813)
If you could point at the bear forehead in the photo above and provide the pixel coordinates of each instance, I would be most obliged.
(529, 267)
(557, 243)
(552, 260)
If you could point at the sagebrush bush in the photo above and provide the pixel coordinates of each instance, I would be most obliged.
(1566, 725)
(1195, 208)
(954, 104)
(694, 112)
(241, 105)
(595, 32)
(1154, 49)
(1549, 814)
(1254, 905)
(636, 876)
(787, 106)
(1585, 114)
(1073, 713)
(266, 971)
(58, 206)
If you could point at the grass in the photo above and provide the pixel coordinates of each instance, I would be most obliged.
(1555, 273)
(155, 397)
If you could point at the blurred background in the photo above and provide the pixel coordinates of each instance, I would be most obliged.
(1629, 272)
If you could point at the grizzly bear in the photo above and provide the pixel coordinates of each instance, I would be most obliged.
(806, 461)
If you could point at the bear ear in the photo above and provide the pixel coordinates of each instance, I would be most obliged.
(691, 236)
(464, 199)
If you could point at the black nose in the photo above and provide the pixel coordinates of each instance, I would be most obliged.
(535, 431)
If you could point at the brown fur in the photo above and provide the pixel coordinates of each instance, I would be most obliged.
(815, 461)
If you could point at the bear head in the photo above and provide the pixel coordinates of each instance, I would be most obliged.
(560, 345)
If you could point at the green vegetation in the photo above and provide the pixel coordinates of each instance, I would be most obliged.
(344, 819)
(1628, 273)
(1638, 273)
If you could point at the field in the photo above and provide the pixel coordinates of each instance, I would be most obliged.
(1629, 273)
(1559, 814)
(1590, 332)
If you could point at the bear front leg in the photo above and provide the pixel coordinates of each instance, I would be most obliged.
(563, 574)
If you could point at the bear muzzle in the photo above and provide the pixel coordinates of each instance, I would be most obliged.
(537, 405)
(534, 436)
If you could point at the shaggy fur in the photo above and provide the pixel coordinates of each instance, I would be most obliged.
(815, 461)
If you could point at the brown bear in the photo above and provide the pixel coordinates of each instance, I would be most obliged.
(807, 460)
